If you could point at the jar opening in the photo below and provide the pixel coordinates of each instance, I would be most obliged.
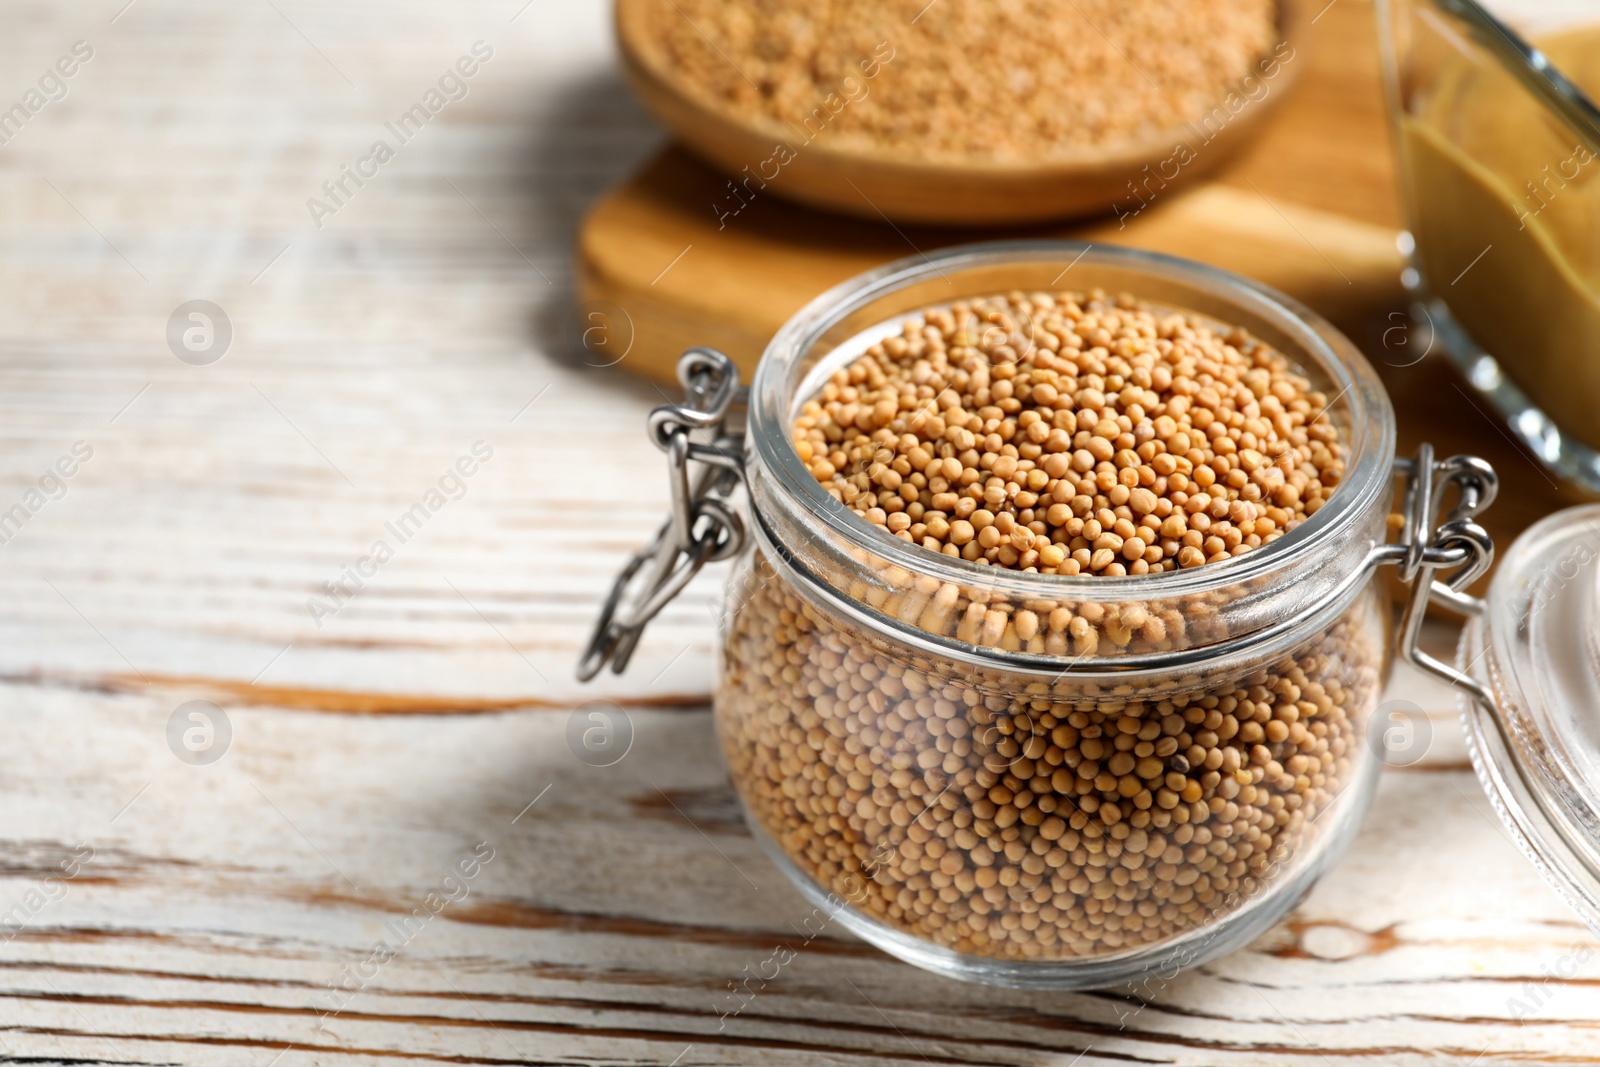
(838, 325)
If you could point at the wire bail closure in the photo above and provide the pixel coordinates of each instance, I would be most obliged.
(1426, 548)
(706, 431)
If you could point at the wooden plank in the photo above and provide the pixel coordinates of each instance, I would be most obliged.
(615, 910)
(651, 251)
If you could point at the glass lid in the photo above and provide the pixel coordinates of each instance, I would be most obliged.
(1533, 728)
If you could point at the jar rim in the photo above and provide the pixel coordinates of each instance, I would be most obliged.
(775, 398)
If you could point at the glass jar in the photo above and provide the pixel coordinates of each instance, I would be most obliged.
(1532, 658)
(1030, 779)
(1499, 153)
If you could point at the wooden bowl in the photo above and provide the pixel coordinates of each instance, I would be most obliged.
(876, 184)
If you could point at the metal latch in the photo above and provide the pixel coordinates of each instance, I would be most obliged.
(703, 438)
(1425, 549)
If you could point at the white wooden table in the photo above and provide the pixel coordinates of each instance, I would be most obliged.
(155, 909)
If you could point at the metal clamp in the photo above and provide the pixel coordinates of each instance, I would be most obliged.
(706, 430)
(1458, 544)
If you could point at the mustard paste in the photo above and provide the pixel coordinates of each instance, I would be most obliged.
(1505, 201)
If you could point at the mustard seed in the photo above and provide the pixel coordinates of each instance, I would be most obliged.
(961, 79)
(1168, 434)
(843, 747)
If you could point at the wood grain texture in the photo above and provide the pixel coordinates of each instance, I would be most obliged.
(371, 754)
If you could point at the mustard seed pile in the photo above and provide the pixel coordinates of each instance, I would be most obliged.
(1049, 816)
(1021, 80)
(998, 816)
(1073, 434)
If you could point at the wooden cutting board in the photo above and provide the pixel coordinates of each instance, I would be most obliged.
(1311, 208)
